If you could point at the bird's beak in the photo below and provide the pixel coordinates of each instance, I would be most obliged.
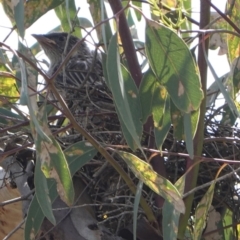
(43, 39)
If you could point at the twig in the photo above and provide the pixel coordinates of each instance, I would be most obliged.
(25, 197)
(210, 183)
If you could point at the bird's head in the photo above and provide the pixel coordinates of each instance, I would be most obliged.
(54, 45)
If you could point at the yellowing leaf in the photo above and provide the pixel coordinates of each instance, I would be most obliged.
(32, 9)
(157, 183)
(173, 65)
(8, 87)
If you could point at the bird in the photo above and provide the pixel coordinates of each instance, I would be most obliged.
(83, 68)
(80, 82)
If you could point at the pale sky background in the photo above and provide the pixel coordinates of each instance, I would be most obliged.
(49, 21)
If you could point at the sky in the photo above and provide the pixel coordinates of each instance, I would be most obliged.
(49, 21)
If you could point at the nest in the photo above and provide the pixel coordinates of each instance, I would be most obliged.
(93, 108)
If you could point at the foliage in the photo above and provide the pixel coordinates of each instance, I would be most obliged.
(158, 103)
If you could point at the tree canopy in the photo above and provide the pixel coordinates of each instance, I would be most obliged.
(151, 152)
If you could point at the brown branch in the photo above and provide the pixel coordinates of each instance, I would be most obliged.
(127, 42)
(224, 16)
(191, 178)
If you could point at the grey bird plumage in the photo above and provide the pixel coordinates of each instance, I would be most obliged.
(80, 82)
(82, 64)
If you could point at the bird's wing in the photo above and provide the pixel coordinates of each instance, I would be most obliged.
(79, 71)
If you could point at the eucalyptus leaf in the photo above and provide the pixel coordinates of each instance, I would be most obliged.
(53, 161)
(156, 182)
(19, 17)
(173, 64)
(188, 134)
(125, 94)
(67, 13)
(202, 212)
(42, 193)
(170, 215)
(77, 155)
(33, 10)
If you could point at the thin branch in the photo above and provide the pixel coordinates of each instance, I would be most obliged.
(224, 16)
(18, 199)
(211, 182)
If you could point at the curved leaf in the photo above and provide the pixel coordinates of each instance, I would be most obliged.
(67, 13)
(125, 94)
(8, 86)
(157, 183)
(223, 90)
(106, 28)
(173, 64)
(53, 162)
(155, 101)
(188, 133)
(232, 40)
(138, 4)
(8, 117)
(202, 211)
(19, 16)
(77, 155)
(170, 215)
(161, 114)
(42, 193)
(178, 122)
(33, 10)
(146, 92)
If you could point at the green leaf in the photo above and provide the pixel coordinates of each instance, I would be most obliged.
(194, 121)
(157, 183)
(127, 134)
(77, 156)
(187, 6)
(8, 117)
(53, 162)
(42, 193)
(136, 206)
(228, 118)
(8, 86)
(170, 221)
(19, 17)
(31, 103)
(34, 220)
(235, 68)
(125, 94)
(161, 114)
(227, 220)
(202, 211)
(222, 88)
(232, 40)
(155, 100)
(146, 92)
(84, 22)
(170, 215)
(3, 57)
(67, 13)
(178, 122)
(33, 10)
(188, 133)
(173, 64)
(106, 28)
(138, 4)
